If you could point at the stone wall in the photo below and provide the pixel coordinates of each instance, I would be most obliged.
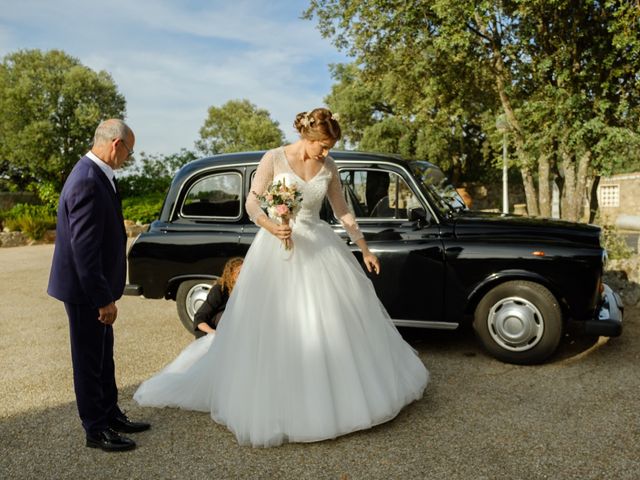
(13, 239)
(489, 196)
(619, 195)
(19, 239)
(623, 276)
(9, 199)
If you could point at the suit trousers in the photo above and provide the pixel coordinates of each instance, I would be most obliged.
(93, 367)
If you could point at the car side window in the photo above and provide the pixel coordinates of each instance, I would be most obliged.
(375, 193)
(217, 195)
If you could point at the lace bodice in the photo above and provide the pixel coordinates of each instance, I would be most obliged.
(274, 166)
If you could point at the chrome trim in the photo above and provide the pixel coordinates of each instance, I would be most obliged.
(365, 220)
(196, 296)
(515, 324)
(610, 306)
(340, 164)
(425, 324)
(132, 289)
(237, 169)
(608, 319)
(218, 217)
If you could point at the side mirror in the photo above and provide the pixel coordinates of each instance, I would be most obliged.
(417, 214)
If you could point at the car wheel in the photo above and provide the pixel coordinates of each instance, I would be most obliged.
(519, 322)
(190, 295)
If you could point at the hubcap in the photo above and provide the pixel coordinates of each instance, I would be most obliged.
(515, 324)
(196, 297)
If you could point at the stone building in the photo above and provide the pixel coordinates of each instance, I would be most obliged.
(619, 196)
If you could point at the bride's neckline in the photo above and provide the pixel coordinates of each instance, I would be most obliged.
(286, 159)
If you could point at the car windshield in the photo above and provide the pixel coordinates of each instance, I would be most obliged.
(437, 186)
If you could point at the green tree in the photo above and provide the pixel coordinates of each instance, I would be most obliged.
(50, 105)
(359, 104)
(581, 118)
(237, 126)
(371, 120)
(563, 73)
(152, 174)
(438, 104)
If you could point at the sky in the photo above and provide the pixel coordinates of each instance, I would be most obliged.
(172, 59)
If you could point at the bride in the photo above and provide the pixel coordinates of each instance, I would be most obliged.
(304, 351)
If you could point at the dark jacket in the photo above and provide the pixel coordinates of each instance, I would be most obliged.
(214, 304)
(90, 253)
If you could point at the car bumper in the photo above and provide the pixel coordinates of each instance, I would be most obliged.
(132, 289)
(608, 318)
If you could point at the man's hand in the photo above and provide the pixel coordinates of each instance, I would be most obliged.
(108, 314)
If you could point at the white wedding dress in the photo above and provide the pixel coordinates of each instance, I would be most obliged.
(304, 351)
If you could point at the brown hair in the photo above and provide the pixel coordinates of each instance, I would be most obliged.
(226, 281)
(318, 124)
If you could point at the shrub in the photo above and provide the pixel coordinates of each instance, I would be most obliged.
(49, 195)
(143, 209)
(32, 220)
(614, 243)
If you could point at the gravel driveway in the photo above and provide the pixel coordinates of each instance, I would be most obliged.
(574, 417)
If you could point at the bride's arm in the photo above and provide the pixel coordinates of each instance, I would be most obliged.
(261, 182)
(348, 221)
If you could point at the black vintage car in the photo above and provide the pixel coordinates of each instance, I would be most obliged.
(520, 281)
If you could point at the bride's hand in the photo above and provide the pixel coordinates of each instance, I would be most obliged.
(371, 262)
(283, 232)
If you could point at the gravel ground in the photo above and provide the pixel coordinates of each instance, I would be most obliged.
(575, 417)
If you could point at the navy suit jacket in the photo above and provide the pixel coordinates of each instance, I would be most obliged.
(89, 260)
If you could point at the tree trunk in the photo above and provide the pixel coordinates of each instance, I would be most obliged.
(581, 186)
(456, 169)
(567, 210)
(593, 200)
(529, 191)
(502, 79)
(544, 191)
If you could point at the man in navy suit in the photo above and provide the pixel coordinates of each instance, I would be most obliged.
(88, 274)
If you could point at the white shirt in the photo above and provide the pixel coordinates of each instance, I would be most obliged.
(108, 171)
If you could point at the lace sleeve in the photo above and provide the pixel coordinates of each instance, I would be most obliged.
(339, 205)
(260, 183)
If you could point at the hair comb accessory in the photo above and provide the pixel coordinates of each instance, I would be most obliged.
(306, 121)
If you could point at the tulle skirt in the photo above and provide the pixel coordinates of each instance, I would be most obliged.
(304, 351)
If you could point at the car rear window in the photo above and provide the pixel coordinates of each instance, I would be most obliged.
(217, 195)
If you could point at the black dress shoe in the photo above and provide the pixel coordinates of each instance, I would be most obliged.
(110, 441)
(120, 423)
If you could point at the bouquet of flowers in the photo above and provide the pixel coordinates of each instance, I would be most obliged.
(283, 202)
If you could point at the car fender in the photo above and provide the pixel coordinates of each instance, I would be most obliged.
(174, 282)
(497, 278)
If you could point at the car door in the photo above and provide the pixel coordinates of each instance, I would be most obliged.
(204, 225)
(249, 229)
(386, 205)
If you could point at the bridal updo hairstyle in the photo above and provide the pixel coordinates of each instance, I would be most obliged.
(318, 124)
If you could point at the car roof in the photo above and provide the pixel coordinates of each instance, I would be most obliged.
(241, 159)
(249, 158)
